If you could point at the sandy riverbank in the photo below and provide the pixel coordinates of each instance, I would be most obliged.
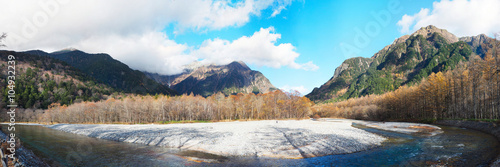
(271, 138)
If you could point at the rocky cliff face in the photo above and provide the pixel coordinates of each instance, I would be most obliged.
(349, 69)
(408, 59)
(233, 78)
(340, 69)
(429, 31)
(480, 44)
(475, 41)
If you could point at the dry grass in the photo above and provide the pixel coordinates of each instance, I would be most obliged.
(422, 127)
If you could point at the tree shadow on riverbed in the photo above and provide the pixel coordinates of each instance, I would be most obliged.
(310, 144)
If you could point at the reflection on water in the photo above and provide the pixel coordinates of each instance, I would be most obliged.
(66, 149)
(457, 147)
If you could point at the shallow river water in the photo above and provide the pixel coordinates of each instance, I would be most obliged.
(454, 147)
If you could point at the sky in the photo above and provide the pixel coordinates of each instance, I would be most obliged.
(296, 44)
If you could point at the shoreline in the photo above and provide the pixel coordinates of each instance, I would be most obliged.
(25, 156)
(485, 127)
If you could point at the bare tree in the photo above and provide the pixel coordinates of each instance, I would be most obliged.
(2, 37)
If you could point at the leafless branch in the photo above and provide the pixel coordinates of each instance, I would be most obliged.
(2, 37)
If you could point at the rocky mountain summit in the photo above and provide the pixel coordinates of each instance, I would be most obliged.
(206, 80)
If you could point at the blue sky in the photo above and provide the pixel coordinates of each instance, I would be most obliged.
(296, 44)
(316, 29)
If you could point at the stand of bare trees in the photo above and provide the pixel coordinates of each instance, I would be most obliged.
(160, 108)
(471, 91)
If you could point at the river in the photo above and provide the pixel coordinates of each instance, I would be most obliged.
(455, 147)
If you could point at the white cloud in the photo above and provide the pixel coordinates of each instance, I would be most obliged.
(300, 89)
(259, 49)
(461, 17)
(52, 23)
(154, 52)
(132, 31)
(280, 5)
(408, 21)
(151, 52)
(115, 16)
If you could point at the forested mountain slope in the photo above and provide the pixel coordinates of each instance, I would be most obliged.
(41, 81)
(109, 71)
(406, 61)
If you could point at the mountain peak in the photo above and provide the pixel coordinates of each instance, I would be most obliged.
(430, 27)
(192, 66)
(235, 77)
(239, 62)
(66, 50)
(238, 65)
(429, 30)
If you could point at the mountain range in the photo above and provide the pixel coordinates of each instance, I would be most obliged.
(205, 80)
(406, 61)
(83, 76)
(109, 71)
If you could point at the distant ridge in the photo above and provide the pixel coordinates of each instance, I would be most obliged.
(109, 71)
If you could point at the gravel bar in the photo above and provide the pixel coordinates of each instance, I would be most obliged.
(269, 138)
